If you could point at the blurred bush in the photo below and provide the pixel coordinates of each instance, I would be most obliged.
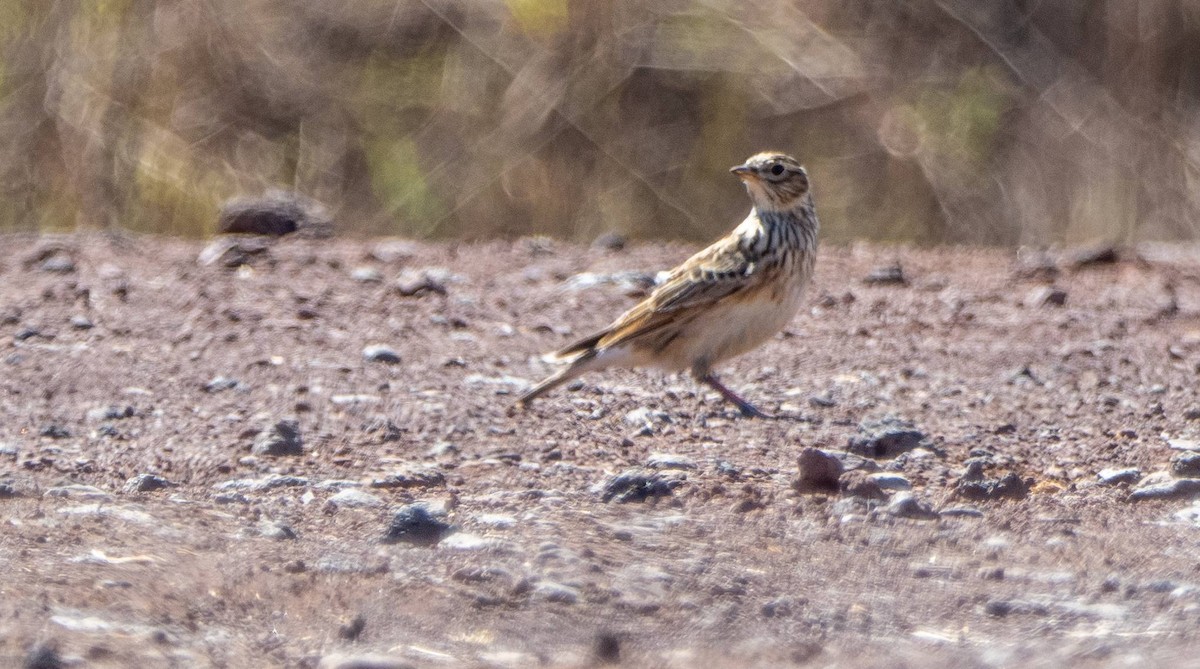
(928, 120)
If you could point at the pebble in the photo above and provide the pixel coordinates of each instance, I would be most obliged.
(1176, 489)
(366, 275)
(464, 541)
(555, 592)
(369, 661)
(55, 431)
(1186, 465)
(907, 505)
(669, 461)
(647, 420)
(80, 322)
(79, 492)
(885, 438)
(416, 283)
(1000, 608)
(146, 483)
(819, 471)
(413, 476)
(59, 263)
(962, 512)
(1046, 296)
(610, 241)
(890, 481)
(860, 484)
(1190, 514)
(381, 353)
(639, 484)
(219, 383)
(974, 486)
(278, 531)
(414, 524)
(110, 413)
(266, 483)
(282, 438)
(887, 275)
(1184, 444)
(1128, 475)
(355, 499)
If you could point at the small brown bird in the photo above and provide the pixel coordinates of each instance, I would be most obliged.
(721, 302)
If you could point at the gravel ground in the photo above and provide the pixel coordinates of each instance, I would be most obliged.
(300, 454)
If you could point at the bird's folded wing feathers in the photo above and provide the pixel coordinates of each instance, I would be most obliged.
(701, 281)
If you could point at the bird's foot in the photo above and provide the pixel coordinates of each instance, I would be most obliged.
(748, 410)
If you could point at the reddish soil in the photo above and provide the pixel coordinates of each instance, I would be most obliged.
(249, 560)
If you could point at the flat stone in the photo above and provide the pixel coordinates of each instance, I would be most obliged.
(1177, 489)
(381, 353)
(412, 476)
(669, 461)
(1127, 475)
(890, 481)
(79, 492)
(370, 661)
(355, 499)
(885, 438)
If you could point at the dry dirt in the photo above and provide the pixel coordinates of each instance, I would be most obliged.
(110, 353)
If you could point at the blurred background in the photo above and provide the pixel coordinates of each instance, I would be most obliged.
(963, 121)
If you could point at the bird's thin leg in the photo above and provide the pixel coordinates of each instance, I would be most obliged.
(746, 408)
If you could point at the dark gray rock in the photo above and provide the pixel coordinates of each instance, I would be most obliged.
(416, 524)
(282, 438)
(55, 431)
(146, 483)
(1176, 489)
(275, 213)
(973, 485)
(819, 471)
(885, 438)
(1186, 465)
(381, 353)
(639, 484)
(44, 656)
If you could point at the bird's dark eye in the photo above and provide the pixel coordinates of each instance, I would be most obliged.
(777, 169)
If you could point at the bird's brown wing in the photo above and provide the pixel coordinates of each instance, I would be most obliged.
(706, 278)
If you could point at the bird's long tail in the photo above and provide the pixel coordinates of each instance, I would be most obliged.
(550, 383)
(581, 357)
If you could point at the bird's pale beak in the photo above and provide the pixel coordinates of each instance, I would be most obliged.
(742, 171)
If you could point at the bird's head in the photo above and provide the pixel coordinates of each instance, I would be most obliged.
(775, 181)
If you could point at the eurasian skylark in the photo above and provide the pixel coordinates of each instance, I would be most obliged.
(721, 302)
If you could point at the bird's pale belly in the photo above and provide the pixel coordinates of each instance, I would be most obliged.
(728, 330)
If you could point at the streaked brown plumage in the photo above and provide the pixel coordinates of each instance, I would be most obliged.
(725, 300)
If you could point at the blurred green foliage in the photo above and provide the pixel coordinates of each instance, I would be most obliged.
(930, 121)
